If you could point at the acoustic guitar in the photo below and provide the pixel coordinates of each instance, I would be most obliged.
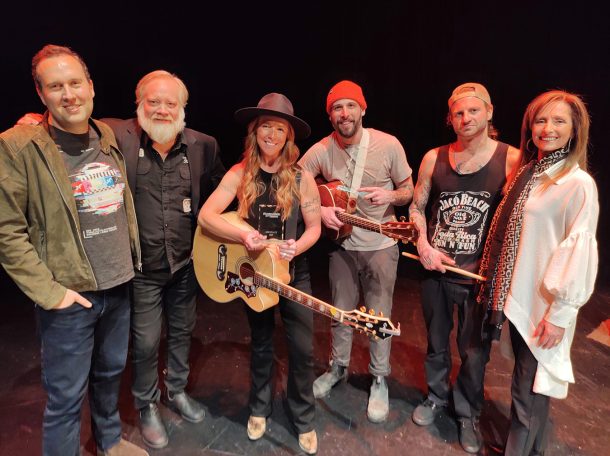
(226, 270)
(333, 194)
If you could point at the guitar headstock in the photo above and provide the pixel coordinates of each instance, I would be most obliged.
(375, 325)
(403, 231)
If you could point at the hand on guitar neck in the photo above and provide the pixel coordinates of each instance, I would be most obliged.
(330, 218)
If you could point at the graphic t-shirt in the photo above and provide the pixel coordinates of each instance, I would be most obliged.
(98, 187)
(462, 206)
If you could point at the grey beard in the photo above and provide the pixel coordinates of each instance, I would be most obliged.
(161, 133)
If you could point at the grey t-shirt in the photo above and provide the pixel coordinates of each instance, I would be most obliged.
(98, 188)
(386, 166)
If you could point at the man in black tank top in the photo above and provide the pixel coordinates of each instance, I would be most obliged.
(458, 189)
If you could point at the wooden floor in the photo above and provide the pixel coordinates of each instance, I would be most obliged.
(219, 379)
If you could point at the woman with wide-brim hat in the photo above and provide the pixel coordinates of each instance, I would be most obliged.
(269, 185)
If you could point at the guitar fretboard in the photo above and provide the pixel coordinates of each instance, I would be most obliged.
(359, 222)
(298, 296)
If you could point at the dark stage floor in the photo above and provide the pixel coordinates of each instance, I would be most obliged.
(219, 379)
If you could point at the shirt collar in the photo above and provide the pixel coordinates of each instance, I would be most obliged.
(556, 168)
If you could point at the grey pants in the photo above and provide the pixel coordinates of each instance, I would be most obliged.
(374, 272)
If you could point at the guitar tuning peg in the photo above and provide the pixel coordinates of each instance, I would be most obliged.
(380, 314)
(402, 218)
(371, 312)
(363, 309)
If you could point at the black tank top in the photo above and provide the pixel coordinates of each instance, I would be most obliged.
(265, 203)
(462, 208)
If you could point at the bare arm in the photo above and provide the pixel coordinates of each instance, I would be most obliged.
(398, 197)
(417, 209)
(209, 216)
(404, 192)
(430, 258)
(513, 162)
(310, 208)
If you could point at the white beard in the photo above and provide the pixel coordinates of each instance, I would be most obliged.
(161, 133)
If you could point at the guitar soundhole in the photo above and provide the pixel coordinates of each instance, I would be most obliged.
(246, 272)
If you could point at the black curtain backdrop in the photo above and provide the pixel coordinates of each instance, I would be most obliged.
(408, 56)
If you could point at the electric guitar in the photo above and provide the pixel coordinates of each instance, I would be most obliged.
(226, 270)
(333, 194)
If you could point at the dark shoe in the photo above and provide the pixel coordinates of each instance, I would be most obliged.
(152, 427)
(325, 382)
(379, 406)
(123, 448)
(308, 442)
(426, 412)
(188, 407)
(470, 436)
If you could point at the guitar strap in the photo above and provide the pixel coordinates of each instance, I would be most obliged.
(291, 222)
(361, 154)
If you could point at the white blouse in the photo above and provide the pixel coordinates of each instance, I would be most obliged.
(555, 269)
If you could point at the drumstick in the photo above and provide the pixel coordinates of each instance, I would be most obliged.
(451, 268)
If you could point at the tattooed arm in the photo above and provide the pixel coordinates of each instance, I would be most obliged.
(379, 196)
(310, 208)
(404, 192)
(430, 258)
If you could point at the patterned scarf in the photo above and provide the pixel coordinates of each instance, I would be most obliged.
(501, 247)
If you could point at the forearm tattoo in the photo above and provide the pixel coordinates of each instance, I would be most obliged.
(402, 195)
(311, 206)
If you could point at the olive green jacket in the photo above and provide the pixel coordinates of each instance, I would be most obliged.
(41, 245)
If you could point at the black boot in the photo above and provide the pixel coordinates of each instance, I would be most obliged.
(152, 427)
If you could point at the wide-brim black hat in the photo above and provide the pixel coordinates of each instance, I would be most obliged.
(275, 104)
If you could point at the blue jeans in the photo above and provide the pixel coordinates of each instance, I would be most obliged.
(83, 348)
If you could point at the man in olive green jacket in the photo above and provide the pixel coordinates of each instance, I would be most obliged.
(69, 239)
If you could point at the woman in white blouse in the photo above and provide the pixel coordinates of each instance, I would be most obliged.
(541, 260)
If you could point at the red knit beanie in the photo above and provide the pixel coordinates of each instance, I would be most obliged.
(345, 89)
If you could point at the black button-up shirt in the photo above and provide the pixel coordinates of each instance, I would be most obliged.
(165, 216)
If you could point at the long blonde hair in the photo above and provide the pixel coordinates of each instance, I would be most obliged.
(580, 129)
(284, 184)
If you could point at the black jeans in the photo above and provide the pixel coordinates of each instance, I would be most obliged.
(156, 293)
(298, 324)
(83, 349)
(438, 299)
(529, 411)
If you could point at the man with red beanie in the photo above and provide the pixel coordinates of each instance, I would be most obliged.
(373, 169)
